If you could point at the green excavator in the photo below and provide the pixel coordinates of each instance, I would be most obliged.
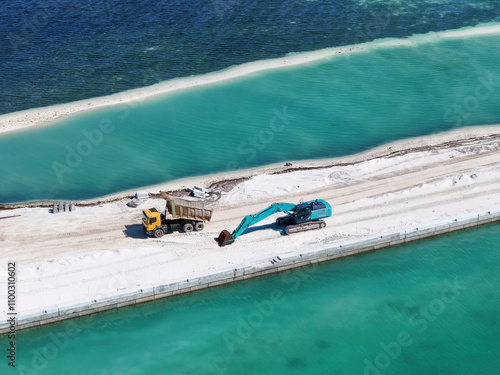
(299, 218)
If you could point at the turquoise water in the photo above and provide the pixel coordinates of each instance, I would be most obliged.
(438, 298)
(340, 106)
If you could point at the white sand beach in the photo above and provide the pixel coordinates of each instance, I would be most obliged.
(100, 251)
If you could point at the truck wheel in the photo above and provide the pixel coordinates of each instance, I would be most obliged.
(322, 224)
(199, 226)
(188, 227)
(158, 233)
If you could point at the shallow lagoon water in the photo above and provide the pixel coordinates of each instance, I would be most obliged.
(343, 105)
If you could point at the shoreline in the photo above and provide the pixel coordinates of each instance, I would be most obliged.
(444, 139)
(97, 253)
(264, 267)
(46, 116)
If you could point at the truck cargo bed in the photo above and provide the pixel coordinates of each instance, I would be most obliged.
(187, 208)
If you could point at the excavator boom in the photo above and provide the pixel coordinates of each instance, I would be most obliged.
(299, 214)
(226, 238)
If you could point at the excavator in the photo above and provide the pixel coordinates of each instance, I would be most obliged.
(299, 218)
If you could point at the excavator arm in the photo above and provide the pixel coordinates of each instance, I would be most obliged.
(226, 238)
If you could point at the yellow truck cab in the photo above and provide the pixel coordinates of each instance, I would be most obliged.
(151, 219)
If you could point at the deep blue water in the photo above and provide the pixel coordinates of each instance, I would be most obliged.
(60, 51)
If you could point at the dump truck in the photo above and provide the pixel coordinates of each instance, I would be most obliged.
(185, 214)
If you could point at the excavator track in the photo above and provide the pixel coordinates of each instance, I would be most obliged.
(311, 225)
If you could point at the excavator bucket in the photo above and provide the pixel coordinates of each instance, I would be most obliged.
(225, 238)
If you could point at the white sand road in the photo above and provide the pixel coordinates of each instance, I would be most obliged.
(99, 251)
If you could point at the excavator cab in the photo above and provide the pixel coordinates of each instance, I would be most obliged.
(302, 213)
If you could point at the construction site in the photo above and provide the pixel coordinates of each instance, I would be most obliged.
(207, 231)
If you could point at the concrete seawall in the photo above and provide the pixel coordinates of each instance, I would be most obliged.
(264, 267)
